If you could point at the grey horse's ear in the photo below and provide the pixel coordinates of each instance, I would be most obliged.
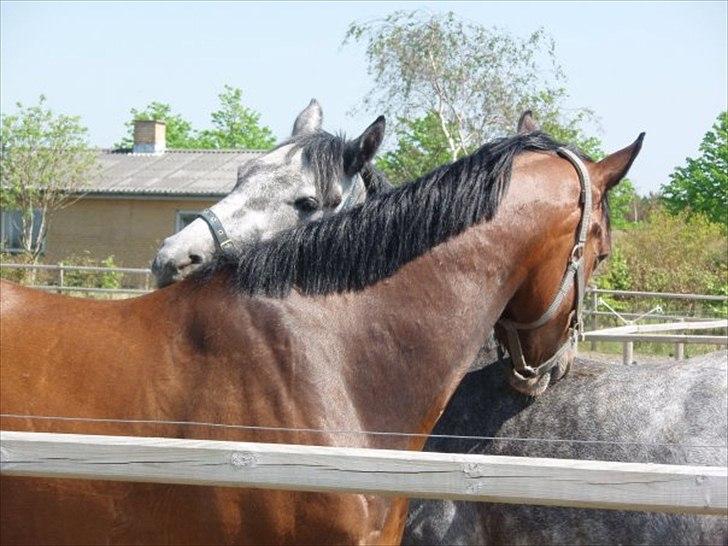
(527, 124)
(308, 121)
(362, 150)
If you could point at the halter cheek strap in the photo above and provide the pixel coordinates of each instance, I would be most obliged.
(218, 232)
(573, 276)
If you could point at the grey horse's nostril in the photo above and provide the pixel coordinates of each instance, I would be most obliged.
(195, 259)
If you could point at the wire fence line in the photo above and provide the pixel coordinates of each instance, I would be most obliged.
(204, 424)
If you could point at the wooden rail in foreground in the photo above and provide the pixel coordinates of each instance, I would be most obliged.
(522, 480)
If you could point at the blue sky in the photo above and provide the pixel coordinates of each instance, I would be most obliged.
(654, 66)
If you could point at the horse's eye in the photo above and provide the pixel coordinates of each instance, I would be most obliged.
(307, 204)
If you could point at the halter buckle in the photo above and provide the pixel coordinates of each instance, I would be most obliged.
(227, 244)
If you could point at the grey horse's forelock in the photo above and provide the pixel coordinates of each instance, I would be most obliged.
(323, 154)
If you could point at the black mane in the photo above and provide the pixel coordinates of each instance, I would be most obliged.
(369, 242)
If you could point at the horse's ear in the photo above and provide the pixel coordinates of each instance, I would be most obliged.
(613, 168)
(527, 124)
(308, 121)
(360, 151)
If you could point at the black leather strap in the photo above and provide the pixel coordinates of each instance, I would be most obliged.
(222, 240)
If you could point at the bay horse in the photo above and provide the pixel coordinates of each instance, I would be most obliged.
(294, 183)
(321, 327)
(684, 405)
(660, 412)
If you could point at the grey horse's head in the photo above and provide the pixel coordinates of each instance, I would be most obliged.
(310, 175)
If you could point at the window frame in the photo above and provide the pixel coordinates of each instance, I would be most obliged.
(6, 216)
(178, 225)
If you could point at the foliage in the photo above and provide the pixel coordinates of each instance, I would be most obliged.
(179, 133)
(421, 147)
(16, 275)
(701, 185)
(87, 279)
(91, 279)
(622, 199)
(233, 126)
(474, 81)
(615, 276)
(683, 253)
(45, 162)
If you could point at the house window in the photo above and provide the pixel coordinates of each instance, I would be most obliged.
(185, 218)
(11, 230)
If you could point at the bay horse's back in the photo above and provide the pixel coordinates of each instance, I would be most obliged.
(44, 336)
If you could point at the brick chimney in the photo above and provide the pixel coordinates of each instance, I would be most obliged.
(149, 137)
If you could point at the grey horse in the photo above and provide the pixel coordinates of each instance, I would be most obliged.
(311, 175)
(659, 407)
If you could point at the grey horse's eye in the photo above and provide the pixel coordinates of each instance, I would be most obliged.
(307, 204)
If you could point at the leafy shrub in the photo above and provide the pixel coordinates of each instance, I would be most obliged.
(91, 279)
(15, 275)
(683, 253)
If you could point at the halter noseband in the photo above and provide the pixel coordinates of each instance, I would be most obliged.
(574, 274)
(222, 240)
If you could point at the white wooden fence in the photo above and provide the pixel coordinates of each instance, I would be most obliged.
(522, 480)
(646, 332)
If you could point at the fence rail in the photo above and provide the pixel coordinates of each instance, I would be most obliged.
(140, 286)
(90, 289)
(522, 480)
(646, 333)
(89, 268)
(660, 295)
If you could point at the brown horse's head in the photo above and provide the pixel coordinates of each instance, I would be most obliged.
(539, 327)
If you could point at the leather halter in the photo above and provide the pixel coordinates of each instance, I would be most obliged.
(222, 240)
(574, 275)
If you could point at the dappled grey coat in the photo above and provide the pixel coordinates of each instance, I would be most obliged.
(666, 402)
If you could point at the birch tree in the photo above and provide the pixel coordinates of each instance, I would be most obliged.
(45, 162)
(476, 81)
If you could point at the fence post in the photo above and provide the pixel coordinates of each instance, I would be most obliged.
(595, 306)
(628, 352)
(61, 278)
(680, 348)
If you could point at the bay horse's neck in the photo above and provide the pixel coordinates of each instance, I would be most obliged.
(425, 327)
(386, 358)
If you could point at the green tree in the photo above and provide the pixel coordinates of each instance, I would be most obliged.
(474, 81)
(235, 125)
(702, 184)
(421, 147)
(45, 162)
(179, 133)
